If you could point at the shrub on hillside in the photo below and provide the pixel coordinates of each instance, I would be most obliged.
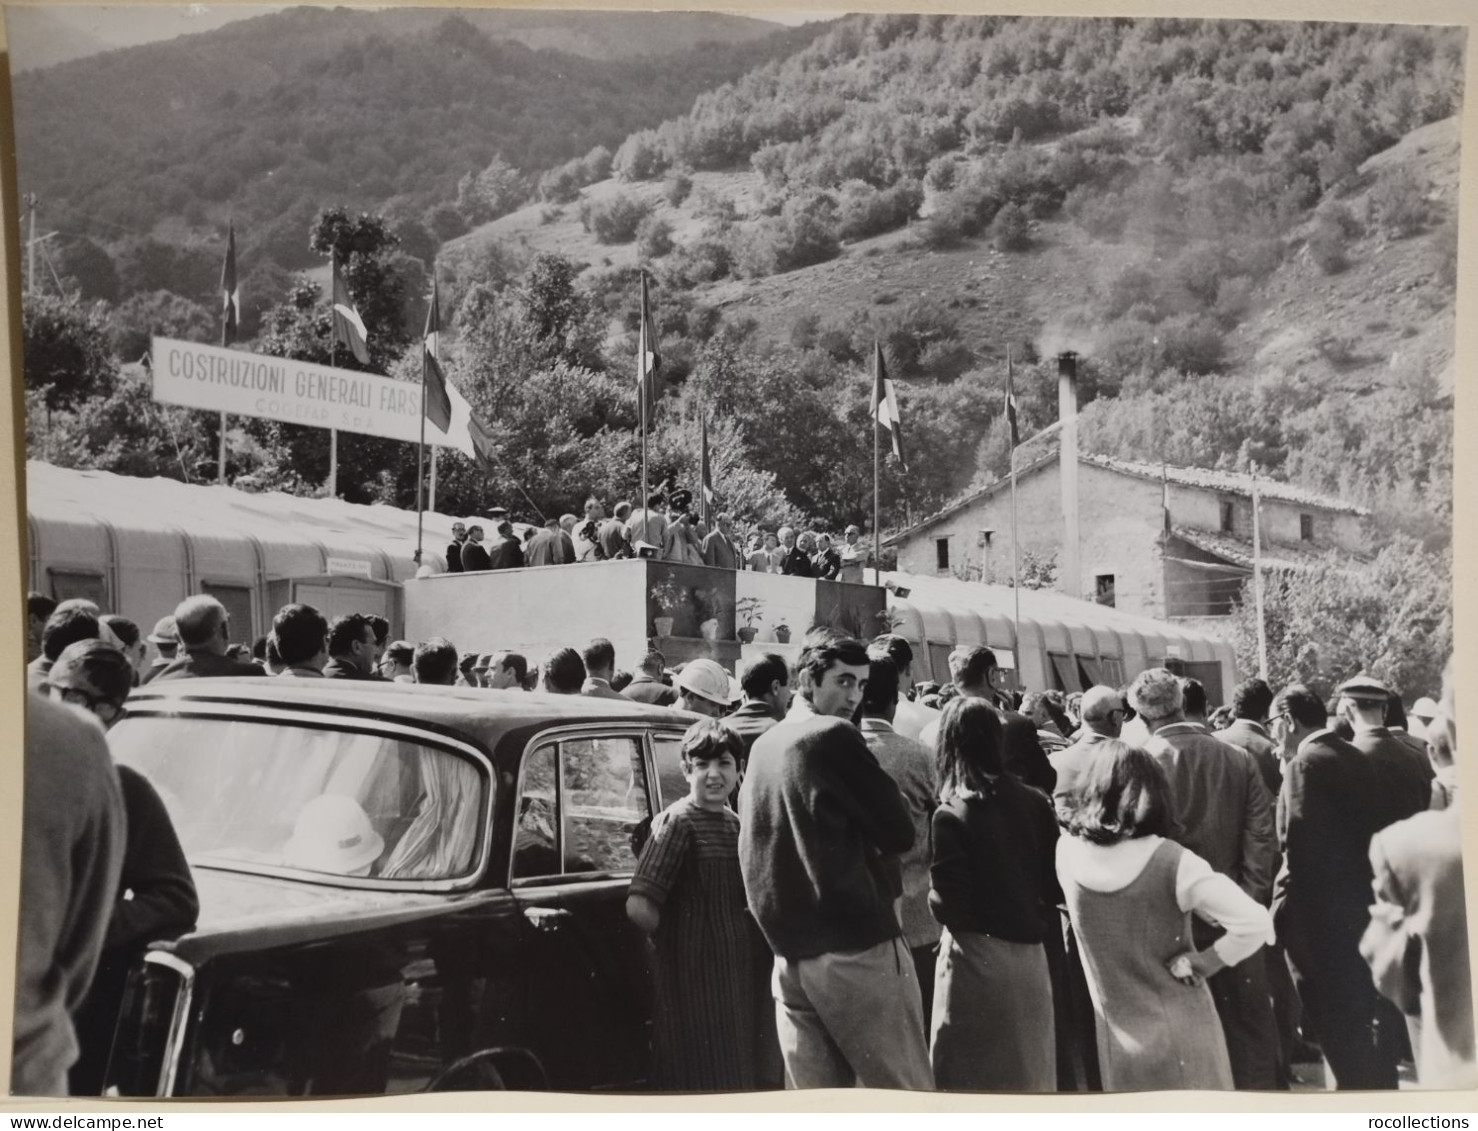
(1399, 202)
(711, 205)
(561, 185)
(943, 172)
(1102, 215)
(615, 220)
(802, 235)
(704, 260)
(596, 164)
(961, 214)
(677, 188)
(641, 157)
(1329, 239)
(865, 211)
(1192, 344)
(653, 237)
(1011, 229)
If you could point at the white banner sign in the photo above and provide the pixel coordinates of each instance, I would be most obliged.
(294, 392)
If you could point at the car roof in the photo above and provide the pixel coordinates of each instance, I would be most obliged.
(485, 712)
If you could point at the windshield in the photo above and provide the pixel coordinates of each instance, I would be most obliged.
(264, 794)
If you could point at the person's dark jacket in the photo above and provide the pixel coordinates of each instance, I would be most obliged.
(645, 689)
(203, 664)
(750, 721)
(340, 668)
(506, 554)
(1024, 755)
(994, 868)
(1405, 771)
(797, 563)
(474, 557)
(827, 564)
(817, 816)
(543, 549)
(613, 539)
(454, 557)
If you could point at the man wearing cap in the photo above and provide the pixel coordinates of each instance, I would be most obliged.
(156, 896)
(1103, 714)
(703, 688)
(719, 550)
(1225, 816)
(1422, 712)
(1333, 802)
(818, 817)
(853, 556)
(454, 548)
(647, 685)
(1405, 772)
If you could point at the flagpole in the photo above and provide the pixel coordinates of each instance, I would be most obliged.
(421, 464)
(1015, 546)
(877, 462)
(431, 491)
(1262, 628)
(643, 395)
(333, 433)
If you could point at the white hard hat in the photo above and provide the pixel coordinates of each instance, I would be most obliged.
(1424, 709)
(333, 834)
(707, 680)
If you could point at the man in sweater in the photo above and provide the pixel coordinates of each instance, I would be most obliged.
(818, 816)
(71, 858)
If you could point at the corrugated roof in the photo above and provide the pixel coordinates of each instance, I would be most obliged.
(1239, 551)
(1223, 482)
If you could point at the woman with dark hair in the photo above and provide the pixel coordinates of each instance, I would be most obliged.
(993, 887)
(1130, 894)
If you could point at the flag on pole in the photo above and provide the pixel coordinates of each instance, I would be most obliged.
(348, 326)
(885, 405)
(648, 360)
(482, 444)
(1011, 403)
(230, 292)
(705, 502)
(437, 404)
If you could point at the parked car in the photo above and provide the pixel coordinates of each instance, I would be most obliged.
(402, 889)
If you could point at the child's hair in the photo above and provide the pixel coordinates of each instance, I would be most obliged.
(710, 739)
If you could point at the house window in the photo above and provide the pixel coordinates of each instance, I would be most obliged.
(1226, 516)
(1103, 589)
(941, 554)
(1306, 527)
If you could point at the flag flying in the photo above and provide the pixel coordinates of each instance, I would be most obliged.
(437, 404)
(885, 405)
(705, 503)
(230, 293)
(348, 326)
(648, 360)
(1011, 403)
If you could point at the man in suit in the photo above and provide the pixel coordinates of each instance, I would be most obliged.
(1363, 703)
(1417, 941)
(474, 553)
(974, 671)
(1224, 815)
(614, 542)
(454, 548)
(600, 666)
(719, 550)
(794, 560)
(765, 681)
(1103, 714)
(204, 629)
(544, 547)
(506, 552)
(1333, 801)
(647, 686)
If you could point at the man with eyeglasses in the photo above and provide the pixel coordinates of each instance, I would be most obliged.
(203, 627)
(1334, 800)
(1103, 714)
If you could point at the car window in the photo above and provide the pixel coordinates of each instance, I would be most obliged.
(248, 794)
(667, 758)
(605, 791)
(591, 821)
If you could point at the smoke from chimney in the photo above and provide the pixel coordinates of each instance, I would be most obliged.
(1068, 576)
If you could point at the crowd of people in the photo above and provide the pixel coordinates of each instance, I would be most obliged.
(872, 881)
(665, 529)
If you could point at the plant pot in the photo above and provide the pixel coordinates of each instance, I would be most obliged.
(663, 625)
(746, 635)
(782, 635)
(709, 629)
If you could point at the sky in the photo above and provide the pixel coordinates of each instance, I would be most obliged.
(43, 35)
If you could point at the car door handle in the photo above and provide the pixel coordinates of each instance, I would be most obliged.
(545, 918)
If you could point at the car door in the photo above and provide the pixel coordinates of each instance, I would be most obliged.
(584, 798)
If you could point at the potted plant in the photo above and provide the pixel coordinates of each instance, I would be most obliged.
(668, 596)
(748, 609)
(782, 633)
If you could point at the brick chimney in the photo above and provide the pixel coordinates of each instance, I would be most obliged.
(1068, 575)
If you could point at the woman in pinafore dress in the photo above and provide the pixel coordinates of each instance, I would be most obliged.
(688, 894)
(1130, 894)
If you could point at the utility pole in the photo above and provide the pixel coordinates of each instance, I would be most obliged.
(1262, 627)
(31, 203)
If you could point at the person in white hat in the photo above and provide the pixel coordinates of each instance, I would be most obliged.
(1422, 712)
(704, 688)
(333, 834)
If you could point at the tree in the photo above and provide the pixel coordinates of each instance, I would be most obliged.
(163, 313)
(1391, 618)
(66, 350)
(122, 431)
(365, 245)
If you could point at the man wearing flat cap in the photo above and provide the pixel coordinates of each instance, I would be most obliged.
(1405, 771)
(166, 640)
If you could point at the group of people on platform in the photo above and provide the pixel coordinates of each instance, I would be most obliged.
(666, 529)
(875, 882)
